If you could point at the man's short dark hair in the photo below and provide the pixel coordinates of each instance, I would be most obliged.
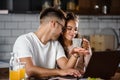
(52, 12)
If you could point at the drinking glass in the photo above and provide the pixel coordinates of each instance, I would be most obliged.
(17, 71)
(77, 42)
(22, 70)
(14, 72)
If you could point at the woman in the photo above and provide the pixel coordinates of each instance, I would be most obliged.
(70, 32)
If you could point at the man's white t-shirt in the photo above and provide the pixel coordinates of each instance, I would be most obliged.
(29, 45)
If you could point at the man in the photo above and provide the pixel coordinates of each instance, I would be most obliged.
(42, 52)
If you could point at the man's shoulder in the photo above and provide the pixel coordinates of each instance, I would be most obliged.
(25, 36)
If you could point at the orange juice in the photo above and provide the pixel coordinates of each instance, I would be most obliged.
(22, 73)
(14, 75)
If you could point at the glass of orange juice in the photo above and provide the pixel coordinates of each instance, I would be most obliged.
(22, 70)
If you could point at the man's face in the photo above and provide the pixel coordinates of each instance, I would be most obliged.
(58, 29)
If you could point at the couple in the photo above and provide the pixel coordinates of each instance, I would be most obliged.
(49, 46)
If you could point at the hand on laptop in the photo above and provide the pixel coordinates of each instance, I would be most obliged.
(82, 71)
(71, 72)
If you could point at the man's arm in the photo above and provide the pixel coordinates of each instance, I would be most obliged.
(40, 72)
(64, 63)
(33, 70)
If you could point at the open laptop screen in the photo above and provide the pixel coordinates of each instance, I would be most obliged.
(103, 64)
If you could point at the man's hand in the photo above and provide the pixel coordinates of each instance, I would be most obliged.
(83, 50)
(79, 51)
(71, 72)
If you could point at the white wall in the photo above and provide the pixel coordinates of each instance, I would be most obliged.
(13, 25)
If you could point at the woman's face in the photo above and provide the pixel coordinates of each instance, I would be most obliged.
(71, 30)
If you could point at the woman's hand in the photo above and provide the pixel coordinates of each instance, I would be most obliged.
(85, 44)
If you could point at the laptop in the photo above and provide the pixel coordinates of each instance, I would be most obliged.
(103, 64)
